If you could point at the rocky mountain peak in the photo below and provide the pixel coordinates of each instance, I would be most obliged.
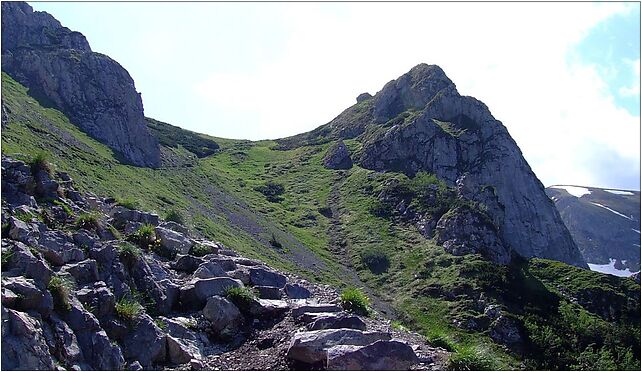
(61, 71)
(411, 91)
(22, 27)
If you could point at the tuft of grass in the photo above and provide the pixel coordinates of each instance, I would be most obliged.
(23, 216)
(161, 324)
(129, 251)
(64, 207)
(354, 300)
(376, 259)
(60, 289)
(40, 162)
(200, 250)
(470, 359)
(88, 221)
(114, 232)
(144, 237)
(242, 297)
(6, 258)
(442, 341)
(128, 309)
(127, 203)
(272, 191)
(175, 215)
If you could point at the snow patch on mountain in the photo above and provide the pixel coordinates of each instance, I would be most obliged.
(619, 192)
(610, 269)
(614, 211)
(573, 190)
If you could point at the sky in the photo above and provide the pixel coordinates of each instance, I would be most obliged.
(564, 78)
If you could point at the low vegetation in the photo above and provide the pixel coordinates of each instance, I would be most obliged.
(60, 289)
(128, 203)
(128, 309)
(88, 221)
(174, 215)
(129, 251)
(200, 250)
(272, 191)
(354, 300)
(40, 162)
(242, 297)
(144, 237)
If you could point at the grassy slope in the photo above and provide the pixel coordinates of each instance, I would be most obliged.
(429, 287)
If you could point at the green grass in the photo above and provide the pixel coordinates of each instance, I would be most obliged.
(40, 162)
(60, 289)
(144, 236)
(88, 221)
(128, 309)
(129, 251)
(128, 203)
(242, 297)
(66, 208)
(200, 250)
(175, 215)
(354, 300)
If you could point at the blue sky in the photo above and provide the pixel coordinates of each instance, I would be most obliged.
(563, 78)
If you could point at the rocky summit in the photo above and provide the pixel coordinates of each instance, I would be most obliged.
(61, 71)
(408, 233)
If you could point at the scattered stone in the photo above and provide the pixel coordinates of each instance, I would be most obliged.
(297, 291)
(379, 356)
(263, 277)
(299, 310)
(336, 321)
(174, 241)
(337, 157)
(187, 263)
(223, 315)
(210, 269)
(268, 293)
(311, 346)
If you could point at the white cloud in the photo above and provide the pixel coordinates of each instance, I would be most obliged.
(512, 56)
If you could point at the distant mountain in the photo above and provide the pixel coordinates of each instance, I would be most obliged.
(605, 224)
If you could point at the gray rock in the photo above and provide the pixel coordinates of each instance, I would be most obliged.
(145, 343)
(268, 293)
(299, 310)
(195, 295)
(263, 277)
(187, 263)
(505, 331)
(224, 316)
(311, 346)
(336, 321)
(209, 269)
(23, 343)
(121, 216)
(268, 308)
(29, 296)
(174, 241)
(99, 298)
(63, 344)
(22, 231)
(363, 97)
(23, 262)
(83, 272)
(297, 291)
(390, 355)
(464, 230)
(337, 157)
(181, 341)
(58, 248)
(242, 274)
(94, 91)
(171, 225)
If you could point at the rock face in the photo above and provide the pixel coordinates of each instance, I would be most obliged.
(419, 122)
(60, 70)
(337, 157)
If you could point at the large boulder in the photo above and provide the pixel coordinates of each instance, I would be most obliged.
(22, 261)
(337, 157)
(174, 241)
(145, 343)
(224, 316)
(29, 296)
(59, 248)
(336, 321)
(390, 355)
(464, 230)
(23, 343)
(209, 269)
(122, 215)
(183, 345)
(262, 277)
(195, 294)
(312, 346)
(84, 272)
(186, 263)
(297, 291)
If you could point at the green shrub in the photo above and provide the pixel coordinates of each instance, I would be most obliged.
(23, 216)
(272, 191)
(6, 258)
(200, 250)
(376, 260)
(442, 341)
(64, 207)
(354, 300)
(40, 162)
(127, 203)
(161, 324)
(242, 297)
(470, 359)
(275, 242)
(60, 289)
(128, 309)
(175, 215)
(129, 251)
(87, 221)
(144, 237)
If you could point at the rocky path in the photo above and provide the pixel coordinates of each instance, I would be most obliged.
(88, 284)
